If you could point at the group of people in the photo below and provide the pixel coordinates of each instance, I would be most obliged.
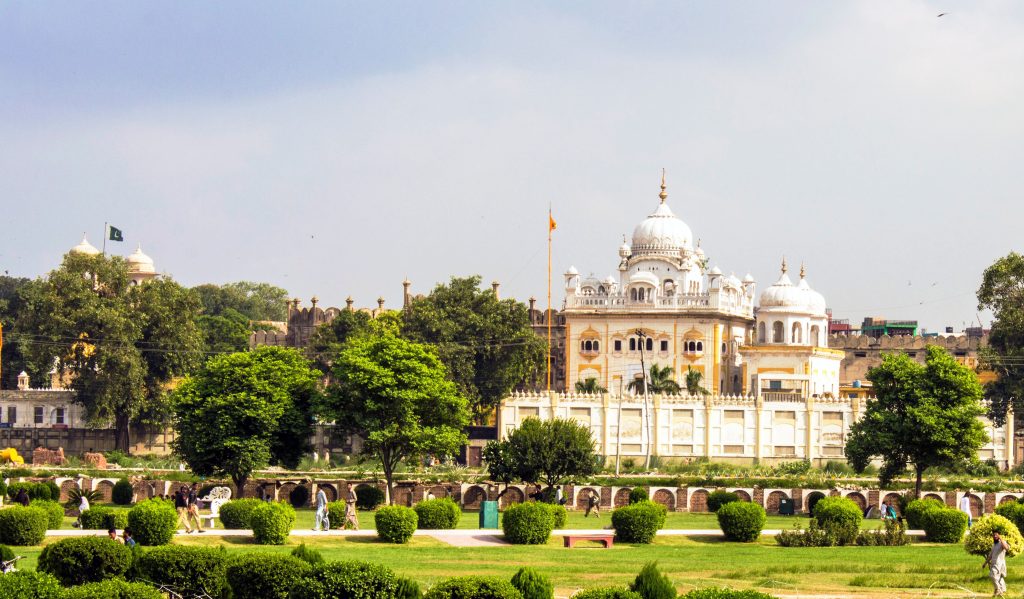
(186, 502)
(124, 539)
(322, 522)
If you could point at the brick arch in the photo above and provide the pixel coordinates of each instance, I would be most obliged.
(743, 495)
(812, 500)
(439, 491)
(935, 497)
(106, 490)
(1007, 499)
(977, 506)
(329, 491)
(402, 496)
(473, 496)
(621, 497)
(513, 495)
(771, 503)
(65, 489)
(699, 501)
(285, 491)
(834, 493)
(145, 490)
(894, 501)
(583, 496)
(859, 499)
(665, 498)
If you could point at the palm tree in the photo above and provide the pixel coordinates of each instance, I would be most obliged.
(589, 385)
(660, 380)
(693, 380)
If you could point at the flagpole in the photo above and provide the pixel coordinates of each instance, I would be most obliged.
(105, 225)
(550, 219)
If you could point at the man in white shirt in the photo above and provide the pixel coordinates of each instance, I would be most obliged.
(965, 507)
(996, 564)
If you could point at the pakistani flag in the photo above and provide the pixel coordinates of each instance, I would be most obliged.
(115, 234)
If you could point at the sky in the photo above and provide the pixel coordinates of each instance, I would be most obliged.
(336, 148)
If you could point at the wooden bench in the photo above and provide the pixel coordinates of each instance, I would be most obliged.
(606, 539)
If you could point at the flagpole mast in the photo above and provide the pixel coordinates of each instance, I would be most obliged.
(550, 220)
(105, 225)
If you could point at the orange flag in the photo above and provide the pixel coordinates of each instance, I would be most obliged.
(552, 225)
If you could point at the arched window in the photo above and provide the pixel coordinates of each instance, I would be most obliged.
(798, 333)
(700, 346)
(632, 294)
(760, 333)
(778, 332)
(597, 345)
(632, 344)
(815, 336)
(586, 345)
(650, 344)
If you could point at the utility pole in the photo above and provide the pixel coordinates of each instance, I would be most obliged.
(618, 432)
(647, 411)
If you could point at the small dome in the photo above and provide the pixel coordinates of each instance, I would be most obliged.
(572, 271)
(85, 248)
(661, 231)
(609, 280)
(784, 296)
(140, 263)
(715, 271)
(748, 278)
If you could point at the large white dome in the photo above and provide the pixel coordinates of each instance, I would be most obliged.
(140, 263)
(784, 296)
(662, 231)
(85, 248)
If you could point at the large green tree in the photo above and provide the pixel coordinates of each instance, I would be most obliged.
(922, 415)
(226, 332)
(12, 361)
(1002, 292)
(329, 337)
(395, 394)
(255, 301)
(245, 410)
(550, 451)
(486, 343)
(121, 344)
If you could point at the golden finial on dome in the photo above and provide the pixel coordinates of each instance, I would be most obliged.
(803, 270)
(663, 193)
(784, 267)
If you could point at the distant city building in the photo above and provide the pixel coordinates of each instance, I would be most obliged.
(879, 327)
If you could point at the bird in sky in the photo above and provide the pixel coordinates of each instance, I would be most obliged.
(942, 14)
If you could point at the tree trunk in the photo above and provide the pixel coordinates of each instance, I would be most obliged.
(240, 481)
(917, 486)
(122, 430)
(389, 470)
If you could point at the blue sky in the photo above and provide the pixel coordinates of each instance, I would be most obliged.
(337, 148)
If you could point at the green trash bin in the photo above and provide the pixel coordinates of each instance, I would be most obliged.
(489, 514)
(785, 507)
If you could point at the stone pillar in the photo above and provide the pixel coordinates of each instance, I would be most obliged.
(717, 353)
(655, 422)
(1008, 427)
(951, 498)
(989, 501)
(758, 497)
(758, 414)
(874, 498)
(707, 426)
(605, 425)
(553, 399)
(798, 500)
(681, 500)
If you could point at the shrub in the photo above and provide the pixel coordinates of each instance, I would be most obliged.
(473, 587)
(23, 526)
(34, 490)
(559, 515)
(336, 513)
(237, 513)
(54, 491)
(816, 535)
(123, 492)
(527, 523)
(299, 496)
(78, 560)
(638, 523)
(714, 593)
(437, 514)
(719, 498)
(917, 508)
(113, 589)
(189, 569)
(395, 523)
(979, 538)
(350, 579)
(650, 583)
(104, 518)
(637, 494)
(944, 526)
(153, 522)
(271, 522)
(606, 593)
(532, 584)
(269, 575)
(840, 517)
(741, 521)
(6, 553)
(368, 498)
(307, 554)
(893, 534)
(54, 512)
(408, 589)
(1014, 512)
(30, 585)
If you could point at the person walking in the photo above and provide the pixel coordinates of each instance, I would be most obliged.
(321, 511)
(128, 540)
(350, 510)
(996, 564)
(965, 507)
(181, 506)
(193, 507)
(22, 497)
(83, 506)
(593, 505)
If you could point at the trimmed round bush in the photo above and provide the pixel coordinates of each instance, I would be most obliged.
(354, 579)
(606, 593)
(54, 490)
(917, 508)
(54, 512)
(720, 497)
(532, 584)
(189, 569)
(979, 538)
(271, 522)
(104, 518)
(716, 593)
(395, 523)
(638, 523)
(840, 517)
(742, 521)
(944, 526)
(559, 515)
(30, 585)
(6, 553)
(368, 498)
(638, 494)
(153, 522)
(1014, 512)
(78, 560)
(437, 514)
(123, 492)
(299, 496)
(527, 523)
(336, 513)
(237, 513)
(473, 587)
(114, 589)
(22, 526)
(268, 575)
